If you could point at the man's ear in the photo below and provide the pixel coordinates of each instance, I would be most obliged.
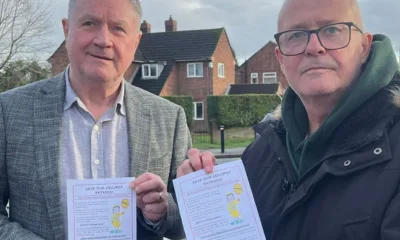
(366, 46)
(65, 24)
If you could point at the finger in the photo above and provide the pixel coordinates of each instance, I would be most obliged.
(141, 179)
(153, 185)
(184, 169)
(139, 201)
(195, 159)
(154, 197)
(209, 161)
(156, 208)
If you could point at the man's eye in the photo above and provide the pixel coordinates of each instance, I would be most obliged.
(89, 23)
(118, 28)
(331, 30)
(297, 35)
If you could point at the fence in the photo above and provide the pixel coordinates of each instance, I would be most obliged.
(201, 132)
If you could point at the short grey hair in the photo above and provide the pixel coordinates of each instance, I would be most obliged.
(135, 3)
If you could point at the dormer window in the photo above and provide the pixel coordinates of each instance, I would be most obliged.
(150, 70)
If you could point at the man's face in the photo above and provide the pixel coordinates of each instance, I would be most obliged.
(101, 38)
(321, 72)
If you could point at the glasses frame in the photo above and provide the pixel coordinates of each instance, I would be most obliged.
(316, 31)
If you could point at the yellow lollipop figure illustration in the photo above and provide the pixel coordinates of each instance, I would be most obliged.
(116, 222)
(232, 208)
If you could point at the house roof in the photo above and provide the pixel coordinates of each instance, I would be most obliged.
(253, 88)
(62, 45)
(192, 45)
(259, 50)
(139, 56)
(153, 85)
(171, 47)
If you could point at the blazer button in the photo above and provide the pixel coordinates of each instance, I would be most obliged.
(378, 151)
(347, 163)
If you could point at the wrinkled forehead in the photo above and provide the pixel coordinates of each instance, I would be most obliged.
(309, 14)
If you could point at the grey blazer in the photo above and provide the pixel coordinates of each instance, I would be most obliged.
(30, 130)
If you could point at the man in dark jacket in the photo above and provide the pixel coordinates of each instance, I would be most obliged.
(329, 168)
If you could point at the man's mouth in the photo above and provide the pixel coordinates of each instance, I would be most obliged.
(101, 57)
(315, 69)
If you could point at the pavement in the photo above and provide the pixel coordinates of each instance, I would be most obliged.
(228, 153)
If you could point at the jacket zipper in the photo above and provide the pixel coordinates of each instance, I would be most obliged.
(294, 184)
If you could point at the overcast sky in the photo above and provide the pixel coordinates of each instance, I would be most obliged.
(250, 24)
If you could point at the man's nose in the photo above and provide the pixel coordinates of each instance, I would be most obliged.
(103, 38)
(314, 46)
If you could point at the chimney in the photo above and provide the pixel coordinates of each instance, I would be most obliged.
(171, 25)
(145, 27)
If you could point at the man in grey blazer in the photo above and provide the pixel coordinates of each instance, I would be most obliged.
(89, 123)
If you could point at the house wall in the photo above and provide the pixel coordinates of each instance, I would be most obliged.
(131, 71)
(198, 88)
(263, 61)
(59, 61)
(171, 84)
(223, 54)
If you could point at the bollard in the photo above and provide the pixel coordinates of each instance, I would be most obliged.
(222, 139)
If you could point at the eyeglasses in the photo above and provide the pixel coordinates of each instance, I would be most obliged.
(332, 37)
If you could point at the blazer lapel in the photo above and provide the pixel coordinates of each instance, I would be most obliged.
(138, 121)
(48, 108)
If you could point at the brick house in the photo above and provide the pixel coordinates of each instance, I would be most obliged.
(172, 63)
(261, 68)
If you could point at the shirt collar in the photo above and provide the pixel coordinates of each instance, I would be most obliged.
(71, 97)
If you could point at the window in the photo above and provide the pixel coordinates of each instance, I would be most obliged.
(269, 77)
(221, 70)
(195, 69)
(198, 111)
(254, 78)
(150, 70)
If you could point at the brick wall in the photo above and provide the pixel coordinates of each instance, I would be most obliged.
(171, 85)
(263, 61)
(223, 54)
(198, 88)
(130, 71)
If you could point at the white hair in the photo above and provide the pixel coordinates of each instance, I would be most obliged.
(135, 3)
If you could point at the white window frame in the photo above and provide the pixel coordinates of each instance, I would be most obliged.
(195, 111)
(195, 65)
(253, 75)
(149, 66)
(221, 70)
(270, 75)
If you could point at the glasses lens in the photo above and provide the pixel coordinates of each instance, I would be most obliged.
(335, 36)
(293, 42)
(332, 37)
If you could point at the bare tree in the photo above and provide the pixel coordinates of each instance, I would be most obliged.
(24, 28)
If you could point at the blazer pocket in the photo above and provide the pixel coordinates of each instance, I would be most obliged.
(359, 229)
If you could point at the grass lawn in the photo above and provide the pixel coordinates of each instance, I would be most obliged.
(203, 143)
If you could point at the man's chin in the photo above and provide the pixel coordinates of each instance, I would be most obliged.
(317, 91)
(99, 75)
